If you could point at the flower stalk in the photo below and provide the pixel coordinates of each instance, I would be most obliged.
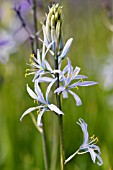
(44, 141)
(61, 131)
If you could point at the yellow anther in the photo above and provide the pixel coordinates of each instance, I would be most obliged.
(31, 55)
(77, 87)
(96, 139)
(32, 63)
(27, 70)
(30, 60)
(35, 101)
(38, 112)
(26, 75)
(92, 137)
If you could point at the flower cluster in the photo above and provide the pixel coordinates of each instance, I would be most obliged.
(41, 66)
(67, 78)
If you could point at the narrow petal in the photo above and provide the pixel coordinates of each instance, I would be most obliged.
(95, 147)
(38, 57)
(83, 126)
(48, 48)
(49, 88)
(31, 93)
(65, 94)
(69, 66)
(48, 66)
(76, 71)
(38, 73)
(93, 155)
(43, 54)
(84, 83)
(39, 123)
(69, 75)
(87, 83)
(46, 40)
(27, 111)
(45, 79)
(66, 48)
(100, 159)
(76, 97)
(59, 89)
(65, 69)
(39, 92)
(54, 108)
(80, 77)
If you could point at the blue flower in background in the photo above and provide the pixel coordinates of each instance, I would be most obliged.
(23, 5)
(66, 78)
(89, 144)
(45, 105)
(7, 46)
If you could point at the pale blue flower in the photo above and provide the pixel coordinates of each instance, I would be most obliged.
(66, 78)
(39, 65)
(45, 105)
(89, 144)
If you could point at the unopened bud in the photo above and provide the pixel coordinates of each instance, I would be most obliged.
(58, 29)
(53, 21)
(56, 16)
(48, 21)
(51, 10)
(59, 13)
(53, 28)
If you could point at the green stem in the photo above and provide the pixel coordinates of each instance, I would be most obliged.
(62, 153)
(44, 142)
(54, 148)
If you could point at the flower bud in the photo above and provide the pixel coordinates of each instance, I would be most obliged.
(58, 29)
(53, 21)
(53, 27)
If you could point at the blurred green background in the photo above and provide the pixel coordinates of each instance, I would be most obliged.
(92, 51)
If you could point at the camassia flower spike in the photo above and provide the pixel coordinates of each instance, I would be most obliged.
(88, 145)
(45, 105)
(66, 77)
